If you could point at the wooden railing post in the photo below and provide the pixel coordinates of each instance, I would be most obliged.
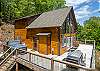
(16, 59)
(16, 66)
(29, 57)
(85, 41)
(94, 44)
(16, 53)
(52, 64)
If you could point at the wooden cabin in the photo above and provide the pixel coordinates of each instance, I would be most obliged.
(21, 31)
(52, 32)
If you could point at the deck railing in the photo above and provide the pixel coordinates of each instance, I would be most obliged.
(50, 63)
(7, 55)
(90, 42)
(44, 62)
(37, 59)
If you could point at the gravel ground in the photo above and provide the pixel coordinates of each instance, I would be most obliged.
(97, 60)
(6, 32)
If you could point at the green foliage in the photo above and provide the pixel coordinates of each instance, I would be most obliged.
(98, 47)
(90, 30)
(11, 9)
(79, 31)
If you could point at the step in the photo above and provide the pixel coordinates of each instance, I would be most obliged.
(12, 59)
(2, 70)
(4, 67)
(7, 65)
(9, 62)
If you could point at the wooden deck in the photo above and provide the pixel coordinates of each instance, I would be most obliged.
(40, 63)
(37, 62)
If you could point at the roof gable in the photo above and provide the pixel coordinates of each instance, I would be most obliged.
(51, 19)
